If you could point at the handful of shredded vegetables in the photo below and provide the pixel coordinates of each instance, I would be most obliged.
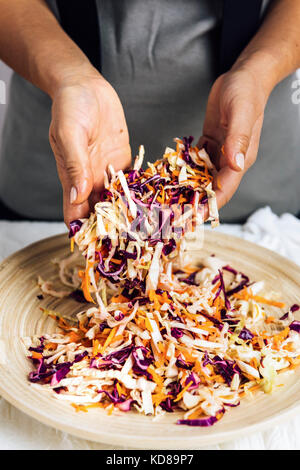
(160, 335)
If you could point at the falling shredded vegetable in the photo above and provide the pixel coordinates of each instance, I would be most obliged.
(159, 335)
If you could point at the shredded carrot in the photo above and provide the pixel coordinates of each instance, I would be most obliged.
(74, 337)
(119, 299)
(253, 363)
(216, 287)
(110, 409)
(196, 414)
(118, 338)
(280, 337)
(116, 261)
(96, 347)
(51, 346)
(36, 355)
(85, 286)
(270, 319)
(109, 338)
(95, 405)
(120, 389)
(148, 325)
(245, 295)
(189, 269)
(251, 389)
(79, 407)
(82, 327)
(157, 378)
(262, 300)
(180, 395)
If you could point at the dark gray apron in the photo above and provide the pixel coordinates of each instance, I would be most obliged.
(162, 58)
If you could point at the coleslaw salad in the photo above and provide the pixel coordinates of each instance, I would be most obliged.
(159, 334)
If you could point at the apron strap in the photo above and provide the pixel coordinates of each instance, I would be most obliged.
(79, 19)
(241, 20)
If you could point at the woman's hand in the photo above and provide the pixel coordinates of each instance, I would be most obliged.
(87, 132)
(232, 128)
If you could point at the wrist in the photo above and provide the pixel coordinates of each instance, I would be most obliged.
(263, 66)
(71, 76)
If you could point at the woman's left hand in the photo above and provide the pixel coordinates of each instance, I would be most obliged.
(232, 127)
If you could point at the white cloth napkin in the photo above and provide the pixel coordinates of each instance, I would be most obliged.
(19, 431)
(281, 234)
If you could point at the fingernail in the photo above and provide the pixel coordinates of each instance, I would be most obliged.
(73, 195)
(240, 160)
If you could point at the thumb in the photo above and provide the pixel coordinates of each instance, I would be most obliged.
(73, 164)
(240, 122)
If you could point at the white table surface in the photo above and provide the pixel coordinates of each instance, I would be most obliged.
(19, 431)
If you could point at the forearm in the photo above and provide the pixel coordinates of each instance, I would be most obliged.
(33, 44)
(274, 52)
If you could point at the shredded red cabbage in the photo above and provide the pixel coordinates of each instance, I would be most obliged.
(176, 332)
(167, 405)
(202, 422)
(77, 295)
(294, 308)
(245, 334)
(113, 274)
(227, 303)
(75, 226)
(295, 326)
(181, 363)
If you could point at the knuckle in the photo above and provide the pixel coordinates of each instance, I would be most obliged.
(223, 122)
(72, 169)
(63, 133)
(52, 138)
(242, 140)
(59, 158)
(60, 134)
(69, 167)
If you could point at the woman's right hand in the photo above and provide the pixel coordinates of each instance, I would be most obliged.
(87, 132)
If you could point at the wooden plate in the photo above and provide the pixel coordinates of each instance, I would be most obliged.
(20, 316)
